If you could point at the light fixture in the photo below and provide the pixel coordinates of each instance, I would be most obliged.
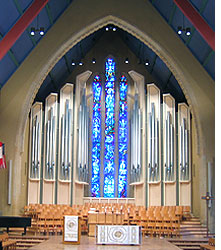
(179, 30)
(147, 63)
(73, 63)
(80, 63)
(42, 31)
(108, 28)
(188, 31)
(93, 60)
(126, 61)
(32, 31)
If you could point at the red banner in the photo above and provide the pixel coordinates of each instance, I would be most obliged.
(2, 156)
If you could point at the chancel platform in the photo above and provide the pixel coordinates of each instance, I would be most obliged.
(55, 242)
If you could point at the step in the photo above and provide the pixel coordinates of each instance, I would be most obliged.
(31, 241)
(197, 234)
(194, 218)
(189, 244)
(190, 223)
(21, 248)
(193, 229)
(27, 244)
(190, 248)
(191, 226)
(204, 240)
(40, 237)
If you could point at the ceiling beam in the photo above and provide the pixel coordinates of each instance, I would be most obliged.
(20, 26)
(208, 58)
(18, 7)
(197, 20)
(168, 80)
(11, 54)
(49, 14)
(201, 10)
(67, 65)
(172, 14)
(21, 12)
(53, 81)
(153, 64)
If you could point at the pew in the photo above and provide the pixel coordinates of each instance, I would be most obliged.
(15, 221)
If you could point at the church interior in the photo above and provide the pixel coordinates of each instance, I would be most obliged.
(107, 124)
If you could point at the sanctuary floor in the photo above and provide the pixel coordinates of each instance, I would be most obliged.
(55, 243)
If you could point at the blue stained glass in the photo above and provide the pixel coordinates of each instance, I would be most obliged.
(122, 139)
(96, 137)
(109, 170)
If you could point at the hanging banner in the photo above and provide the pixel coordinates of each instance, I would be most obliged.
(2, 156)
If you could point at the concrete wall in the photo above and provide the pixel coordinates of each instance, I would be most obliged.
(82, 18)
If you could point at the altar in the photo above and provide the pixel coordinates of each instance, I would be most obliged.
(118, 235)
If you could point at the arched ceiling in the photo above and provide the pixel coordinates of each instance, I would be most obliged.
(12, 10)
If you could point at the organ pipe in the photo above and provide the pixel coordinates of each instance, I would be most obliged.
(153, 146)
(135, 142)
(83, 140)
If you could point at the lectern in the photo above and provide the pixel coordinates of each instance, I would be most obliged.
(72, 230)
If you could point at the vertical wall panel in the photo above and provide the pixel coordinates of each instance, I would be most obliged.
(65, 145)
(139, 89)
(35, 153)
(169, 150)
(81, 83)
(184, 158)
(50, 149)
(154, 145)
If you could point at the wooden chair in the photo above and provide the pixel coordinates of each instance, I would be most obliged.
(7, 243)
(175, 227)
(92, 221)
(167, 226)
(125, 219)
(209, 246)
(41, 225)
(151, 225)
(109, 218)
(144, 224)
(57, 223)
(159, 225)
(49, 223)
(101, 218)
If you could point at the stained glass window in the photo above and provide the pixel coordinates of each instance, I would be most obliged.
(96, 137)
(122, 139)
(109, 170)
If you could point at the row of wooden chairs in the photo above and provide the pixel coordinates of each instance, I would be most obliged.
(49, 223)
(152, 225)
(154, 220)
(32, 208)
(6, 242)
